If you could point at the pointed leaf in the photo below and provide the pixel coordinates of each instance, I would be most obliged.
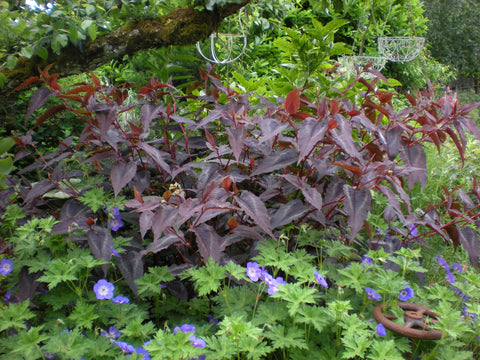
(156, 156)
(288, 213)
(121, 174)
(414, 157)
(39, 189)
(276, 161)
(255, 208)
(470, 242)
(310, 132)
(209, 243)
(236, 138)
(357, 205)
(131, 267)
(161, 244)
(393, 142)
(37, 100)
(100, 242)
(292, 102)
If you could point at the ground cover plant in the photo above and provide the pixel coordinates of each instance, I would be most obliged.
(277, 224)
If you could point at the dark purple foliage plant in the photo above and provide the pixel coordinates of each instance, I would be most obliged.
(206, 174)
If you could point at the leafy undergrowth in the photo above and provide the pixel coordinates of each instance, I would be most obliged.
(170, 201)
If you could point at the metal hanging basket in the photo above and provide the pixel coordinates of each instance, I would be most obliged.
(223, 46)
(400, 48)
(348, 63)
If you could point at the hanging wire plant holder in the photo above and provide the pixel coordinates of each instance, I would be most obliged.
(348, 64)
(400, 48)
(224, 46)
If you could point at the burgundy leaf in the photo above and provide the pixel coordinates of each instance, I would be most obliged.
(470, 125)
(131, 267)
(310, 132)
(163, 218)
(145, 222)
(414, 157)
(106, 115)
(393, 142)
(393, 203)
(209, 243)
(161, 244)
(270, 128)
(357, 205)
(311, 195)
(288, 213)
(156, 155)
(149, 112)
(255, 208)
(248, 232)
(121, 174)
(73, 216)
(38, 99)
(470, 242)
(100, 242)
(236, 138)
(212, 116)
(292, 102)
(276, 161)
(343, 138)
(39, 189)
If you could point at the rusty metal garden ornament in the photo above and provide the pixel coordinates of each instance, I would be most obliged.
(416, 318)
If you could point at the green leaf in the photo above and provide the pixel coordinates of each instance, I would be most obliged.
(207, 278)
(27, 343)
(92, 32)
(355, 346)
(27, 52)
(292, 338)
(73, 33)
(84, 314)
(384, 350)
(58, 271)
(237, 271)
(41, 52)
(6, 165)
(296, 295)
(15, 316)
(316, 316)
(59, 41)
(150, 283)
(90, 10)
(11, 62)
(86, 24)
(94, 198)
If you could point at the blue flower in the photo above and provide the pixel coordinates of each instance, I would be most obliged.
(144, 352)
(120, 300)
(469, 315)
(460, 293)
(114, 253)
(450, 277)
(442, 262)
(184, 328)
(406, 293)
(112, 333)
(457, 267)
(365, 260)
(372, 294)
(413, 230)
(103, 289)
(253, 271)
(273, 285)
(115, 220)
(320, 279)
(381, 330)
(125, 347)
(197, 342)
(6, 266)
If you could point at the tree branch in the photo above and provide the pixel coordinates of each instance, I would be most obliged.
(182, 26)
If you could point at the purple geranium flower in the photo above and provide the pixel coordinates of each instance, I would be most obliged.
(197, 342)
(413, 230)
(372, 294)
(450, 277)
(406, 293)
(365, 260)
(442, 262)
(6, 266)
(115, 220)
(103, 289)
(112, 333)
(273, 285)
(114, 253)
(142, 351)
(457, 267)
(320, 279)
(381, 330)
(469, 315)
(184, 328)
(126, 348)
(253, 271)
(120, 300)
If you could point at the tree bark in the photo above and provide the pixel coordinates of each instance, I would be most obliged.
(182, 26)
